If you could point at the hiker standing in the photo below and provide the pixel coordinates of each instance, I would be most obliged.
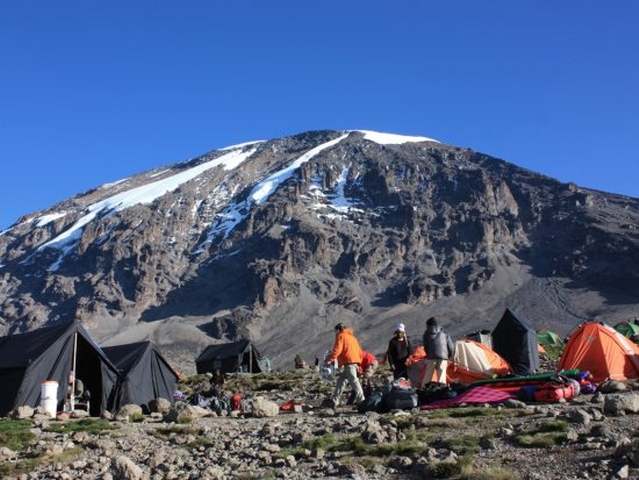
(348, 354)
(217, 383)
(300, 362)
(398, 351)
(439, 350)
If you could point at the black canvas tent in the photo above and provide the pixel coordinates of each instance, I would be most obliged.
(240, 356)
(144, 373)
(52, 353)
(516, 341)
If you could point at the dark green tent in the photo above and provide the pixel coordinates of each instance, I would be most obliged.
(51, 354)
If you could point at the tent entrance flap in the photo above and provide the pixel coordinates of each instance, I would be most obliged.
(89, 371)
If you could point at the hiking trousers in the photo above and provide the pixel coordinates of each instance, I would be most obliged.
(348, 374)
(435, 365)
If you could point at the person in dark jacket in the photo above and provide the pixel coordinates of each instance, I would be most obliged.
(439, 350)
(399, 350)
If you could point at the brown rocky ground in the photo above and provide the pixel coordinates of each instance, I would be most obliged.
(588, 437)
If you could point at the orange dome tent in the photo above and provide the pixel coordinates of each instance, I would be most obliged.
(475, 361)
(603, 351)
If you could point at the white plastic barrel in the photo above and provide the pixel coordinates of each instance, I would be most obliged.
(49, 397)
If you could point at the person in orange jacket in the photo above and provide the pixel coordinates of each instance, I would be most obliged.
(348, 354)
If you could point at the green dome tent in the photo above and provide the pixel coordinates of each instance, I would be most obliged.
(548, 338)
(627, 329)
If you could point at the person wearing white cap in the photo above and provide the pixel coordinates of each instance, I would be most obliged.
(398, 351)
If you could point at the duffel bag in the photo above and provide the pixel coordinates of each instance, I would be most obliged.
(553, 392)
(401, 399)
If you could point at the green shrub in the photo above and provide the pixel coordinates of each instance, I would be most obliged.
(325, 442)
(444, 469)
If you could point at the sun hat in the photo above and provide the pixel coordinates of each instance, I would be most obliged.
(400, 327)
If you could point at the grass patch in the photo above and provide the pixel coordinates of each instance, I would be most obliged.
(406, 448)
(325, 442)
(353, 444)
(545, 435)
(89, 425)
(15, 434)
(270, 475)
(465, 412)
(369, 462)
(167, 433)
(478, 412)
(463, 444)
(444, 470)
(28, 465)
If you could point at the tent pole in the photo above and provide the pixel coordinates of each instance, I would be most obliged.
(75, 358)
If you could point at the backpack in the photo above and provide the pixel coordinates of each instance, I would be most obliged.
(373, 402)
(401, 399)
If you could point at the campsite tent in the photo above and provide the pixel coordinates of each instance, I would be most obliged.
(52, 353)
(603, 351)
(516, 341)
(482, 336)
(144, 373)
(475, 361)
(628, 329)
(547, 338)
(240, 356)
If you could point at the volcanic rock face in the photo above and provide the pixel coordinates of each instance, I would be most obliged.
(281, 239)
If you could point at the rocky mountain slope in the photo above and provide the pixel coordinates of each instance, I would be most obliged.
(280, 239)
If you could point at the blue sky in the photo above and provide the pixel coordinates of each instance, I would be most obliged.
(92, 92)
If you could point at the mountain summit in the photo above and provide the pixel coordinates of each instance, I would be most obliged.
(281, 239)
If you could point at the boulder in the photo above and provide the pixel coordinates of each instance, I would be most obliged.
(159, 405)
(621, 403)
(261, 407)
(128, 411)
(22, 412)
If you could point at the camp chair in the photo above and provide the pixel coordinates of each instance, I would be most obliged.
(81, 397)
